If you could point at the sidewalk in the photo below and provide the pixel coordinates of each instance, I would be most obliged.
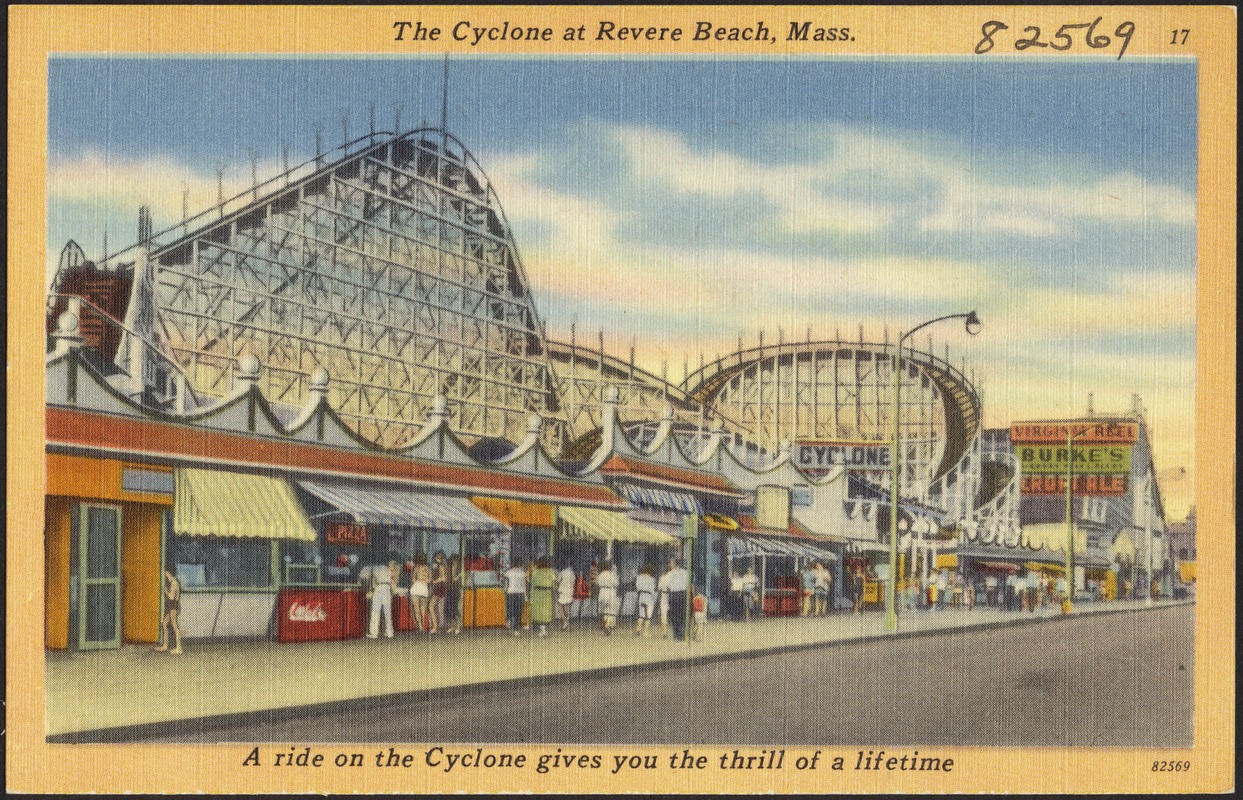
(113, 695)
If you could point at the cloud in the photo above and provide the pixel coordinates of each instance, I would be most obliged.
(852, 181)
(1057, 207)
(1149, 302)
(158, 182)
(795, 192)
(95, 196)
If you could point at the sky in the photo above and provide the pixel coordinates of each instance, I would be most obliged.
(682, 204)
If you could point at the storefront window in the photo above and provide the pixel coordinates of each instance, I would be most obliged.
(301, 562)
(223, 561)
(528, 544)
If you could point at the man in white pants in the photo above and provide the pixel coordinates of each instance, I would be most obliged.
(382, 599)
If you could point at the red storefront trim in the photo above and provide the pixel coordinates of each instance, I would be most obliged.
(136, 438)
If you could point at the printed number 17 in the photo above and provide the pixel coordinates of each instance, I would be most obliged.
(1180, 36)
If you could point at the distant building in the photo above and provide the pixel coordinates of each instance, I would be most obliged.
(1182, 554)
(1116, 511)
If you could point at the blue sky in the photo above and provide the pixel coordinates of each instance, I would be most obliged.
(681, 203)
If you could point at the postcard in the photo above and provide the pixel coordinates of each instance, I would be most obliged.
(604, 399)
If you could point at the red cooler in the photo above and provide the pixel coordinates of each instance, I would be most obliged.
(308, 615)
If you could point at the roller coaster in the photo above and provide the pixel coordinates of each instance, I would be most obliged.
(389, 263)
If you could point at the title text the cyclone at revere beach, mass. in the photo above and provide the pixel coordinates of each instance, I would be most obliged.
(706, 31)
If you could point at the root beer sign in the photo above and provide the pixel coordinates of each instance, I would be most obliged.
(1095, 485)
(1099, 459)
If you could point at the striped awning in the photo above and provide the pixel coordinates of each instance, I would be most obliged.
(591, 523)
(405, 509)
(214, 503)
(775, 546)
(863, 546)
(659, 498)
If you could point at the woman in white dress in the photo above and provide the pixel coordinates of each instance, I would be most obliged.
(607, 599)
(645, 587)
(565, 594)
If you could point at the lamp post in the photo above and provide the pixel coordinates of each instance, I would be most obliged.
(972, 324)
(1071, 436)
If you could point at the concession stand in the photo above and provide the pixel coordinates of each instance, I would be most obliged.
(781, 556)
(309, 614)
(530, 537)
(872, 558)
(382, 525)
(592, 535)
(483, 596)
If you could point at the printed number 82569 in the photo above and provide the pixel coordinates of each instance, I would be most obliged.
(1171, 766)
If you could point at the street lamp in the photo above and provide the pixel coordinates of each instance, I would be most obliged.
(972, 324)
(1071, 436)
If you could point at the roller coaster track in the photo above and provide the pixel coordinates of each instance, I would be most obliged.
(961, 402)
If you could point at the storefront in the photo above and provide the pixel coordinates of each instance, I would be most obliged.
(993, 578)
(778, 560)
(226, 545)
(587, 536)
(103, 525)
(530, 527)
(670, 494)
(404, 526)
(302, 509)
(872, 560)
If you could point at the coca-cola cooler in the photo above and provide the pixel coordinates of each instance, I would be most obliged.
(308, 615)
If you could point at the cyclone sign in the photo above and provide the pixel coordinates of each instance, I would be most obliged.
(862, 456)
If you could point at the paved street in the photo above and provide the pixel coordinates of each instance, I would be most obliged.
(1112, 680)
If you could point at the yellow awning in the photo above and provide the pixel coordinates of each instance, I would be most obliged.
(591, 523)
(947, 561)
(719, 522)
(516, 512)
(1040, 565)
(212, 503)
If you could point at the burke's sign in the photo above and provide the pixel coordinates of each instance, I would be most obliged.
(1090, 459)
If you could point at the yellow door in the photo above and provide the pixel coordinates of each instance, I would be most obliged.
(56, 524)
(141, 574)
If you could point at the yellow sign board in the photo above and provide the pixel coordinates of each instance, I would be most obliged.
(772, 507)
(1088, 459)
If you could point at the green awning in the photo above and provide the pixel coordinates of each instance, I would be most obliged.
(213, 503)
(608, 526)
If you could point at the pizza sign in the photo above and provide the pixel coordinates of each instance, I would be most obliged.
(346, 533)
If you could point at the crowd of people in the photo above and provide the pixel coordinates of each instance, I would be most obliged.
(540, 597)
(434, 594)
(546, 595)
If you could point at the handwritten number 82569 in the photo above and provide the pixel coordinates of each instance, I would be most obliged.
(1062, 40)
